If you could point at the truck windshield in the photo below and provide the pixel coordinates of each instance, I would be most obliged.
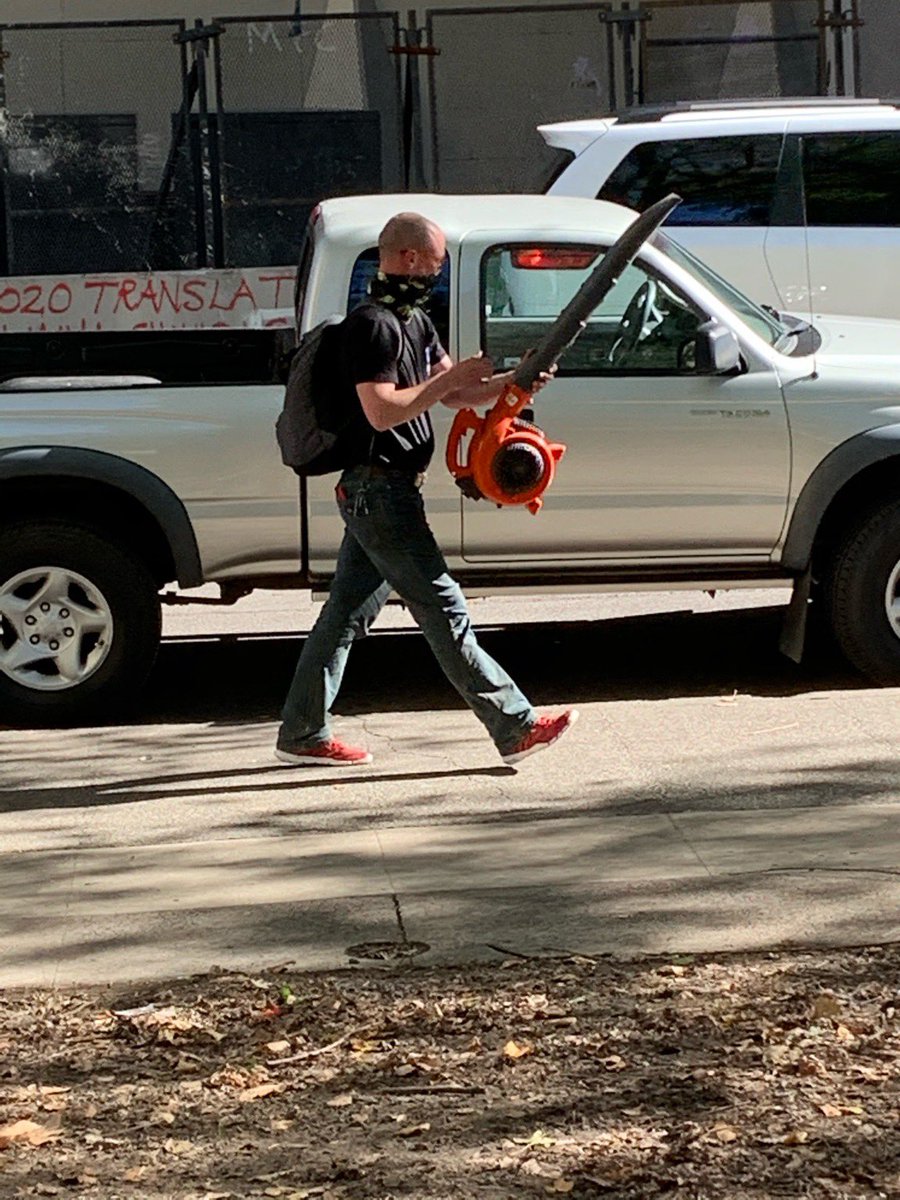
(761, 322)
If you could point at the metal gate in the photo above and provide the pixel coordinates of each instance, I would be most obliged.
(84, 154)
(722, 49)
(494, 74)
(304, 108)
(206, 144)
(195, 146)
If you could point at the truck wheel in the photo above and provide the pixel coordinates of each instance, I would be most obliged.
(79, 623)
(862, 594)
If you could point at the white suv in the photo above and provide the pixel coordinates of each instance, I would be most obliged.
(796, 201)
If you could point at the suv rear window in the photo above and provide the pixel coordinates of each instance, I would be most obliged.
(851, 179)
(561, 159)
(722, 180)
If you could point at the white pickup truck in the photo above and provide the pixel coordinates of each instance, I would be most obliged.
(711, 443)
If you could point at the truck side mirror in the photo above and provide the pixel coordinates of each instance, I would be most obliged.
(717, 349)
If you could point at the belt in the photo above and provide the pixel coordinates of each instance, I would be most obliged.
(416, 478)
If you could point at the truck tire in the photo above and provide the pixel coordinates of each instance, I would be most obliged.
(79, 623)
(862, 594)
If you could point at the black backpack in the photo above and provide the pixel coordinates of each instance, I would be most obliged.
(311, 425)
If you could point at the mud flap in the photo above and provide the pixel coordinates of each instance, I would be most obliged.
(793, 630)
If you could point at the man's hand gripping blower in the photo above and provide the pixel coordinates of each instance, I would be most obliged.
(508, 459)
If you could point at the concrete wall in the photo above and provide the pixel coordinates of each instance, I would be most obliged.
(879, 48)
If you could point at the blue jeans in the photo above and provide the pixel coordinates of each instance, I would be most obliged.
(388, 546)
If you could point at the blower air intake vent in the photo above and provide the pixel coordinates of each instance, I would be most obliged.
(517, 467)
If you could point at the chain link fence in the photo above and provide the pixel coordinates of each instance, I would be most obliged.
(494, 75)
(85, 152)
(304, 109)
(208, 144)
(719, 50)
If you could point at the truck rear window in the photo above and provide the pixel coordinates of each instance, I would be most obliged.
(438, 307)
(195, 356)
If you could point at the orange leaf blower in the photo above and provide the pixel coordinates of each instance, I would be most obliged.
(508, 459)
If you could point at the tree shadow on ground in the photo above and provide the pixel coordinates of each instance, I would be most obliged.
(633, 658)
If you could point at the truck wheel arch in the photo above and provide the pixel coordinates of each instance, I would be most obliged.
(70, 466)
(856, 473)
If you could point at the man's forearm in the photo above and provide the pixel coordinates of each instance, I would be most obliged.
(479, 394)
(385, 408)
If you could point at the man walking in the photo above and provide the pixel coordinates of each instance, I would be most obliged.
(394, 363)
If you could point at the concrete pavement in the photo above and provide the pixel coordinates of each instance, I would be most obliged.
(691, 817)
(672, 883)
(712, 797)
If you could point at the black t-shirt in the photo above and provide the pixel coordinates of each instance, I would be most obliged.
(377, 347)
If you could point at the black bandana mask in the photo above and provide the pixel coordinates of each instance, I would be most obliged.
(402, 293)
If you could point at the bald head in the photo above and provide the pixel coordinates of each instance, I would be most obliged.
(410, 244)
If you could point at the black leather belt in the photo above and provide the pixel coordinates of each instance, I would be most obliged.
(416, 478)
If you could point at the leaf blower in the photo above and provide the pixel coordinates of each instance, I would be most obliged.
(508, 459)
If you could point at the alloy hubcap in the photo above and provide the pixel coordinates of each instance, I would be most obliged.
(55, 628)
(892, 600)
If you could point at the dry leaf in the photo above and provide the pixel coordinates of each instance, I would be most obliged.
(364, 1046)
(826, 1006)
(531, 1166)
(40, 1090)
(177, 1146)
(261, 1089)
(796, 1137)
(29, 1132)
(278, 1047)
(841, 1110)
(135, 1174)
(127, 1013)
(411, 1130)
(538, 1138)
(561, 1186)
(340, 1101)
(517, 1049)
(725, 1133)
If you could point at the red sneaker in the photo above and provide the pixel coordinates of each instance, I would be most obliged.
(543, 733)
(324, 754)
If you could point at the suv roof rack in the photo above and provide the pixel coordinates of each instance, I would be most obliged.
(656, 112)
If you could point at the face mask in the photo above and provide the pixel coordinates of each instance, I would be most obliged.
(402, 293)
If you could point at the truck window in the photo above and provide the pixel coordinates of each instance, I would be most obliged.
(722, 180)
(438, 308)
(851, 178)
(642, 324)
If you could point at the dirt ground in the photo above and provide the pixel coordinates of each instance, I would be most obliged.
(726, 1077)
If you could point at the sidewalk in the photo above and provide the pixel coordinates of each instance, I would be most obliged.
(710, 799)
(669, 882)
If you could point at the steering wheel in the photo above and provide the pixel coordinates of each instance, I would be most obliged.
(633, 321)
